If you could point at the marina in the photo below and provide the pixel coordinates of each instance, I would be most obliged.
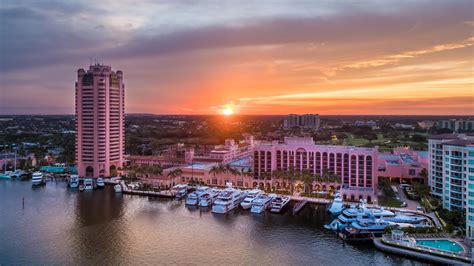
(131, 230)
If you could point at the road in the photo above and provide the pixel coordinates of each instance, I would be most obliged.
(411, 204)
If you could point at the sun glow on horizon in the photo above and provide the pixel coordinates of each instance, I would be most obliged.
(227, 111)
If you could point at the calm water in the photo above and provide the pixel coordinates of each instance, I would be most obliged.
(58, 226)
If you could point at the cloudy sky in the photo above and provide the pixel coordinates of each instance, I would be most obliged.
(256, 57)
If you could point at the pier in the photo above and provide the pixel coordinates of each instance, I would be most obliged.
(299, 206)
(162, 194)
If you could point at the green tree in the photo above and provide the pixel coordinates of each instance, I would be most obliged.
(173, 174)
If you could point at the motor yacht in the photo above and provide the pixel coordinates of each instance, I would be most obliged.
(354, 213)
(180, 191)
(228, 200)
(193, 198)
(365, 229)
(88, 184)
(251, 195)
(262, 202)
(279, 203)
(74, 181)
(6, 175)
(100, 182)
(336, 206)
(37, 179)
(208, 197)
(12, 174)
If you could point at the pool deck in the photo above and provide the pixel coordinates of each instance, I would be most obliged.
(421, 253)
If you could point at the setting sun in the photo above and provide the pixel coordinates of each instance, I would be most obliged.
(227, 111)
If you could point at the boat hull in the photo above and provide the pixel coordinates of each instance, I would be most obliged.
(245, 206)
(118, 189)
(223, 209)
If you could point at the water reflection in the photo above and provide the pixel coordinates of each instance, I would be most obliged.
(59, 226)
(99, 232)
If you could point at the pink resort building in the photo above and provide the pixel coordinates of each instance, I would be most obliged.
(356, 166)
(99, 121)
(403, 165)
(195, 168)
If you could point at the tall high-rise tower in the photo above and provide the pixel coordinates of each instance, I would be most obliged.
(100, 118)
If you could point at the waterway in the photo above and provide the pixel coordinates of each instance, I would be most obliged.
(60, 226)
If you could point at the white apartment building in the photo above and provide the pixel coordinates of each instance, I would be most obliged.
(451, 173)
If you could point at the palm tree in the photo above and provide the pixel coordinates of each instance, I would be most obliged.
(214, 170)
(307, 179)
(291, 175)
(175, 173)
(231, 170)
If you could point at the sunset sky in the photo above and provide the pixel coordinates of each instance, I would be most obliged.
(254, 57)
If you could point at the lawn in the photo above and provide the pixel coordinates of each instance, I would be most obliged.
(351, 140)
(389, 202)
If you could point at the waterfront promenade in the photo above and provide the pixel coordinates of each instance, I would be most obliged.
(297, 198)
(428, 254)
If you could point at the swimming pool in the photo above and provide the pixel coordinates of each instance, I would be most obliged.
(442, 244)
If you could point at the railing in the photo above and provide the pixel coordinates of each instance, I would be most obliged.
(426, 250)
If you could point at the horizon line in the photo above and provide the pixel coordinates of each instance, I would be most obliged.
(460, 115)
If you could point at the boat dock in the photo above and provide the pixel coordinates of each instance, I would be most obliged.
(299, 206)
(161, 194)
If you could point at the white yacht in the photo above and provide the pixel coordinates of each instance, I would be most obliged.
(100, 182)
(37, 179)
(352, 214)
(193, 198)
(88, 184)
(180, 191)
(251, 195)
(74, 181)
(336, 206)
(228, 200)
(208, 197)
(262, 202)
(365, 229)
(279, 203)
(118, 188)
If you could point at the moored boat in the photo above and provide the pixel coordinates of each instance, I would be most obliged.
(228, 200)
(100, 182)
(180, 191)
(352, 214)
(208, 197)
(37, 179)
(5, 175)
(193, 198)
(262, 202)
(251, 195)
(118, 188)
(279, 203)
(74, 181)
(365, 229)
(88, 184)
(336, 206)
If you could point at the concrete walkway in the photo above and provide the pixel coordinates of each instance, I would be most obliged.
(415, 254)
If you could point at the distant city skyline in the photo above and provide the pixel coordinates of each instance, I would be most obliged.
(347, 58)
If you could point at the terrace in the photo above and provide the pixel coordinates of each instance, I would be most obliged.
(440, 248)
